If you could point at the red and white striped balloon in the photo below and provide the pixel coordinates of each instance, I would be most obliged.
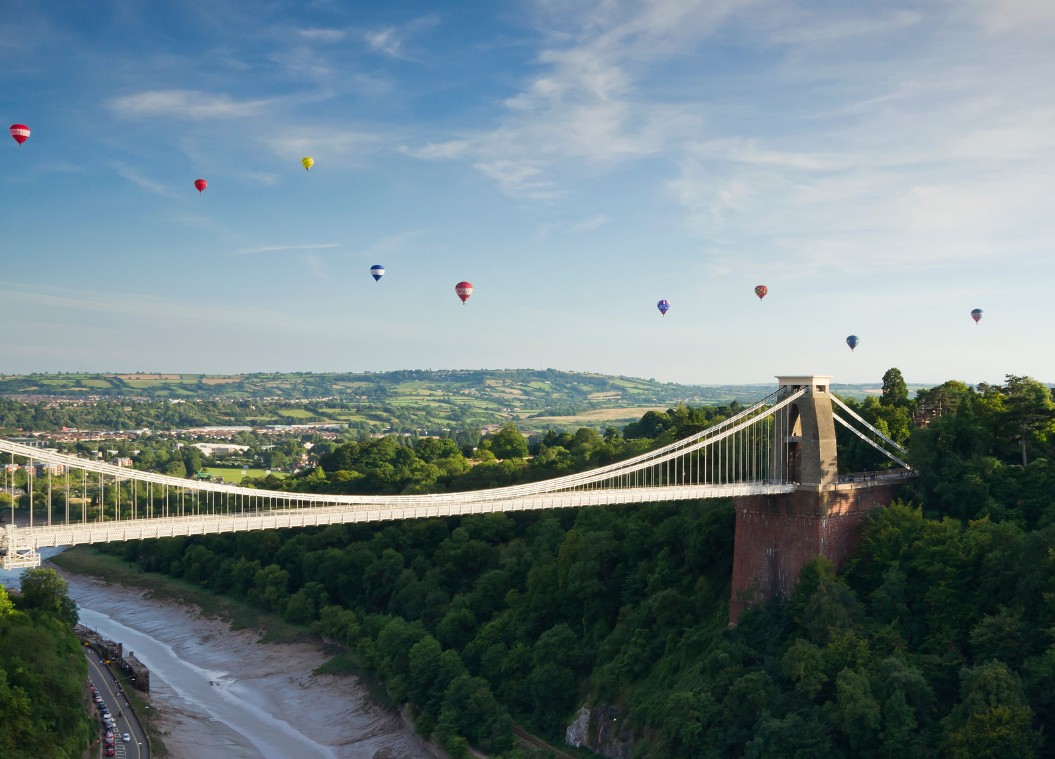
(20, 132)
(464, 290)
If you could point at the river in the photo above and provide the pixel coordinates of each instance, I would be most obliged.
(221, 692)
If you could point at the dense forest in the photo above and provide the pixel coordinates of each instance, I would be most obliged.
(936, 638)
(43, 707)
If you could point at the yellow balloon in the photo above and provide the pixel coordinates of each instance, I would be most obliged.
(308, 162)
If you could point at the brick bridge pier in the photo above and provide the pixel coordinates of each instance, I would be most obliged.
(776, 535)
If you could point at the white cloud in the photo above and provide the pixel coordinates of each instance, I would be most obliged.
(434, 151)
(159, 188)
(591, 105)
(316, 267)
(823, 28)
(323, 35)
(284, 248)
(750, 152)
(520, 179)
(326, 145)
(387, 246)
(588, 225)
(385, 41)
(392, 40)
(131, 307)
(999, 16)
(191, 104)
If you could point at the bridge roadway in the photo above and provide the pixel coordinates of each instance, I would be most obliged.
(438, 505)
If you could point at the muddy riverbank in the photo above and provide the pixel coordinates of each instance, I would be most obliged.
(222, 692)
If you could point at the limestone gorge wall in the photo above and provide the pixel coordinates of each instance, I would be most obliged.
(599, 729)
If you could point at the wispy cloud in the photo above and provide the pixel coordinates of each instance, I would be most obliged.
(550, 229)
(344, 147)
(389, 245)
(323, 35)
(434, 151)
(190, 104)
(392, 40)
(520, 178)
(386, 41)
(823, 28)
(284, 248)
(315, 266)
(588, 225)
(589, 106)
(132, 306)
(999, 16)
(159, 188)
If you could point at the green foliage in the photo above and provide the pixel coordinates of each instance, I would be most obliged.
(42, 674)
(508, 443)
(992, 720)
(46, 590)
(895, 391)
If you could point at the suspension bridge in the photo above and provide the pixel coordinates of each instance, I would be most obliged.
(782, 447)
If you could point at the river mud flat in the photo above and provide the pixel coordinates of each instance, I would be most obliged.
(218, 692)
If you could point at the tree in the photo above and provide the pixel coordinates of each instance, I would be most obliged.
(6, 606)
(895, 391)
(855, 711)
(192, 459)
(554, 682)
(46, 589)
(899, 727)
(470, 709)
(508, 443)
(992, 720)
(1030, 411)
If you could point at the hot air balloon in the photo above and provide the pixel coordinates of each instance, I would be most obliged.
(307, 162)
(20, 132)
(464, 290)
(663, 306)
(852, 341)
(201, 184)
(377, 271)
(760, 291)
(976, 314)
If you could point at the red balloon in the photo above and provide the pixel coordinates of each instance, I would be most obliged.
(20, 132)
(201, 184)
(760, 291)
(464, 290)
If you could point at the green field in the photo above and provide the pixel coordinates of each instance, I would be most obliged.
(235, 474)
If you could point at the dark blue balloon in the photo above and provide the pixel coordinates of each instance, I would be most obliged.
(663, 307)
(377, 271)
(852, 341)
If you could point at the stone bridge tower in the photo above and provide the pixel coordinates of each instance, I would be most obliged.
(777, 534)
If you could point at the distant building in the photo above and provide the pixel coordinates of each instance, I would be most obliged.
(220, 449)
(41, 470)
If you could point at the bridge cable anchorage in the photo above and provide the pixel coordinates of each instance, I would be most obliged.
(856, 416)
(871, 442)
(112, 503)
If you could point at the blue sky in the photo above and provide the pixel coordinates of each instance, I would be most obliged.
(882, 167)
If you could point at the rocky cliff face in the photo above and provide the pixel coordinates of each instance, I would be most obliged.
(599, 729)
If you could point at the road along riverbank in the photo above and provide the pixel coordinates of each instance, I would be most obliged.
(223, 692)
